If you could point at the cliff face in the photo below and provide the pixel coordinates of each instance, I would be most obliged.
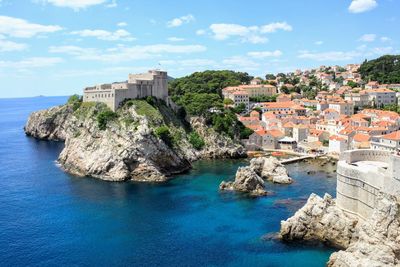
(127, 148)
(373, 242)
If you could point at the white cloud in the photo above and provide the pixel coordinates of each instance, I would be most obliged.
(106, 35)
(122, 24)
(200, 32)
(175, 39)
(318, 42)
(385, 39)
(241, 62)
(329, 56)
(359, 6)
(189, 62)
(75, 4)
(273, 27)
(382, 50)
(7, 46)
(124, 53)
(251, 34)
(176, 22)
(112, 4)
(16, 27)
(370, 37)
(29, 63)
(265, 54)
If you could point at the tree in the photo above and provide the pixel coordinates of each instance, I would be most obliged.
(228, 101)
(270, 76)
(352, 84)
(385, 69)
(104, 117)
(239, 108)
(196, 140)
(199, 104)
(163, 133)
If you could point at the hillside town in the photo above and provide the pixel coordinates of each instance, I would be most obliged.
(325, 110)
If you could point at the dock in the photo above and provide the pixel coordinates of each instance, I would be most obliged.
(291, 160)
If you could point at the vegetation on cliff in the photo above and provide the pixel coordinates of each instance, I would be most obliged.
(200, 94)
(385, 69)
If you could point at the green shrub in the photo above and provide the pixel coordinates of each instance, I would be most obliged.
(163, 133)
(104, 117)
(151, 100)
(75, 101)
(196, 140)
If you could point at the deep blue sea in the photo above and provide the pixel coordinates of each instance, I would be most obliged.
(50, 218)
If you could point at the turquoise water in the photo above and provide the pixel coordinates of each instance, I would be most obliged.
(49, 218)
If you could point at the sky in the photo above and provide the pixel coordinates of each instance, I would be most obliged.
(58, 47)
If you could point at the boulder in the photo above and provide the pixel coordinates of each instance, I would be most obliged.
(246, 180)
(269, 168)
(371, 242)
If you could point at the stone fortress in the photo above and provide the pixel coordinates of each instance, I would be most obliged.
(361, 175)
(153, 83)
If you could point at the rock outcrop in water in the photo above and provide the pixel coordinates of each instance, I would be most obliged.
(269, 168)
(127, 148)
(246, 180)
(251, 178)
(371, 242)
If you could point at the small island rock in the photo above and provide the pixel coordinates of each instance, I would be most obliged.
(246, 180)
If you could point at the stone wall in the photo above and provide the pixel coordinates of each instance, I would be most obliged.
(358, 185)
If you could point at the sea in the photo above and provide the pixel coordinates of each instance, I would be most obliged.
(51, 218)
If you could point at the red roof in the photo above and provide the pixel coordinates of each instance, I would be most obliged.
(392, 136)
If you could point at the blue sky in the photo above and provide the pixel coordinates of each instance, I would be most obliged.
(57, 47)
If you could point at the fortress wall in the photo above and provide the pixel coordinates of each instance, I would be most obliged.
(105, 96)
(358, 187)
(392, 183)
(365, 155)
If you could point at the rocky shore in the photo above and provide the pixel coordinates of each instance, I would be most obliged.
(371, 242)
(250, 179)
(127, 148)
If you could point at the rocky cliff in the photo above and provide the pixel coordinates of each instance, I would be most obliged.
(126, 145)
(371, 242)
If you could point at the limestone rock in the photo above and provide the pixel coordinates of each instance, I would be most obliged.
(319, 220)
(217, 146)
(127, 149)
(269, 168)
(378, 238)
(49, 124)
(246, 180)
(371, 242)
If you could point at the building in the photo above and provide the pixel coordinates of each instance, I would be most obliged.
(361, 175)
(153, 83)
(300, 132)
(337, 144)
(266, 139)
(387, 142)
(359, 99)
(343, 107)
(381, 97)
(253, 90)
(238, 97)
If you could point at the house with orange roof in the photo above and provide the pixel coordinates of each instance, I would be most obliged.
(300, 132)
(283, 98)
(317, 135)
(372, 85)
(360, 141)
(255, 114)
(331, 114)
(389, 142)
(266, 139)
(381, 97)
(337, 144)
